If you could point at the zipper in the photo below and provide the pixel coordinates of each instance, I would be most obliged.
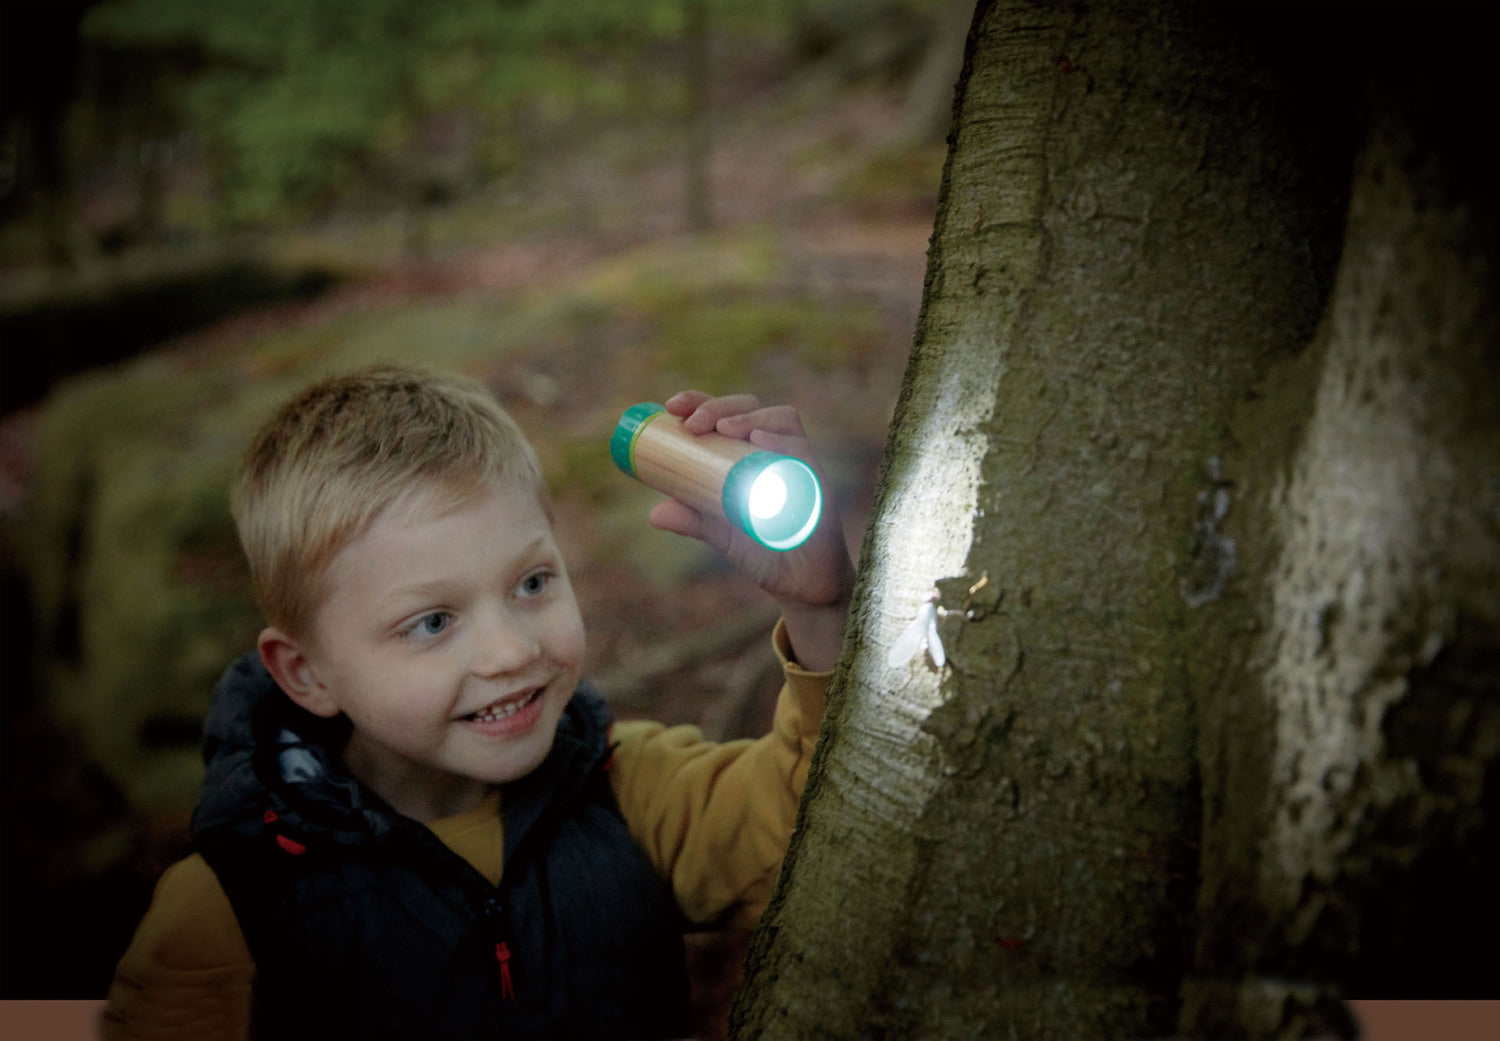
(494, 914)
(493, 908)
(502, 955)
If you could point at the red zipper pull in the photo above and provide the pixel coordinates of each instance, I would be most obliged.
(502, 955)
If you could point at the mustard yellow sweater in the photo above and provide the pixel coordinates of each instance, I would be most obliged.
(714, 818)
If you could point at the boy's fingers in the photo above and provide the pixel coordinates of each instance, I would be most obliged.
(733, 415)
(709, 413)
(773, 419)
(684, 402)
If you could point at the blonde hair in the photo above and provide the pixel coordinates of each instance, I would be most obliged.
(343, 451)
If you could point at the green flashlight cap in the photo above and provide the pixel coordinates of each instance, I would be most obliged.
(622, 441)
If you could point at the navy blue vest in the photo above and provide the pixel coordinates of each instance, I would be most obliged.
(363, 924)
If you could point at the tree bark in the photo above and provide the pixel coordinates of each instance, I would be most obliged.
(1350, 739)
(1132, 463)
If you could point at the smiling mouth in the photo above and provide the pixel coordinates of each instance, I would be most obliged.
(504, 708)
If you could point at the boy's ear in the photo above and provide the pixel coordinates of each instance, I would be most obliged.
(293, 672)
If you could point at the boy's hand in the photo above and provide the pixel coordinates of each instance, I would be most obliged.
(812, 582)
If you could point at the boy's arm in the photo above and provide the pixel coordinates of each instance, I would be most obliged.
(187, 973)
(715, 818)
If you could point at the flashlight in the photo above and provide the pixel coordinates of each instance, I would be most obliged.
(775, 499)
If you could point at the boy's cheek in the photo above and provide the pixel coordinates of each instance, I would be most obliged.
(569, 638)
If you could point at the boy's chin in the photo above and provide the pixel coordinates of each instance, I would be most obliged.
(521, 767)
(529, 754)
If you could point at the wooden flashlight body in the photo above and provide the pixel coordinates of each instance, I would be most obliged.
(691, 468)
(775, 499)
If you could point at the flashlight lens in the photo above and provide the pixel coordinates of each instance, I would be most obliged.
(767, 495)
(776, 499)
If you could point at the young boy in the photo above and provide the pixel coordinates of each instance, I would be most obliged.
(415, 821)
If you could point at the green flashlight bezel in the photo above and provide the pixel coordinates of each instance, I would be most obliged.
(622, 441)
(736, 497)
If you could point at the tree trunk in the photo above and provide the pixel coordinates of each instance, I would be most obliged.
(1350, 738)
(1193, 548)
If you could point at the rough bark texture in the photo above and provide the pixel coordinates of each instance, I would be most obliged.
(1350, 739)
(1221, 637)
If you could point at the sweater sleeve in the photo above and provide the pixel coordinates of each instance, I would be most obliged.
(715, 818)
(187, 973)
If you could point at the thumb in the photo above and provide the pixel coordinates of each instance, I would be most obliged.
(680, 519)
(673, 516)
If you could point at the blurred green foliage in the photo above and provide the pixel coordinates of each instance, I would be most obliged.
(292, 98)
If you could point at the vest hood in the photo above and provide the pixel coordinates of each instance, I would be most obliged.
(263, 752)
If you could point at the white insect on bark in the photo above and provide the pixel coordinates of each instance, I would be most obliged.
(921, 633)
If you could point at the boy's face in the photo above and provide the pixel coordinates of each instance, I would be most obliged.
(452, 641)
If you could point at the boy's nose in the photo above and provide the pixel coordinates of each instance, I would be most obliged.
(505, 647)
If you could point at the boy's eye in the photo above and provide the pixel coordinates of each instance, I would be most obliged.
(534, 583)
(432, 624)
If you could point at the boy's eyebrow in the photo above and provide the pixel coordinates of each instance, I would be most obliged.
(425, 590)
(416, 591)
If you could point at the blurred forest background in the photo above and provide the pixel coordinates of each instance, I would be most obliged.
(587, 204)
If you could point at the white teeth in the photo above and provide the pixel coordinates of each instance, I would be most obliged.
(501, 711)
